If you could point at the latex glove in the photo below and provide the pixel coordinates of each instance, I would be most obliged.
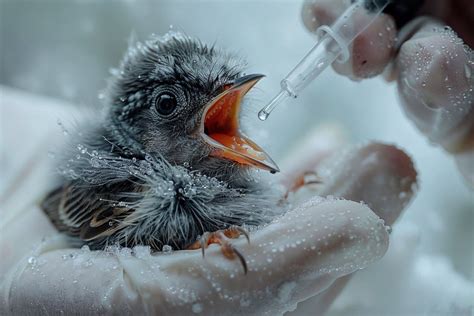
(296, 257)
(433, 66)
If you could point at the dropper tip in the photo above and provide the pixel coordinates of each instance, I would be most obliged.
(280, 97)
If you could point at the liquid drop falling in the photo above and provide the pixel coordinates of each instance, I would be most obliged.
(263, 115)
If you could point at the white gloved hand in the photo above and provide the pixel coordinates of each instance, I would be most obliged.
(297, 257)
(433, 66)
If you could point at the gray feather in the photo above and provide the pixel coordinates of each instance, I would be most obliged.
(136, 178)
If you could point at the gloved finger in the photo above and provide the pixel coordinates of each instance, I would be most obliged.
(436, 86)
(322, 150)
(297, 256)
(370, 52)
(380, 175)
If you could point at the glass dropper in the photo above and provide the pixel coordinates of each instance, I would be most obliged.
(332, 44)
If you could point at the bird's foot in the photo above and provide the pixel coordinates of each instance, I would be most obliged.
(222, 237)
(305, 179)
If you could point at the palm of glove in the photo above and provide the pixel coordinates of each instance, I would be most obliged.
(296, 257)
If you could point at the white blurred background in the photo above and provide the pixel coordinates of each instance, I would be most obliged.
(64, 49)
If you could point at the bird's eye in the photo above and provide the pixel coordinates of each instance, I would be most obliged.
(165, 103)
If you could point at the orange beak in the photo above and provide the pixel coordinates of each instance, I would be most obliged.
(220, 127)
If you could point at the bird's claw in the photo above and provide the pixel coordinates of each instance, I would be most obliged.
(307, 178)
(222, 237)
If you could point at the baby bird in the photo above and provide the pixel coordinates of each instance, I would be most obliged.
(167, 164)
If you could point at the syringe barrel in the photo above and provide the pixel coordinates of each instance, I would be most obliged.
(333, 43)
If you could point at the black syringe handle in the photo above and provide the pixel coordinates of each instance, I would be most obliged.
(401, 10)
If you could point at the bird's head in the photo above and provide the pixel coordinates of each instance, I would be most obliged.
(180, 98)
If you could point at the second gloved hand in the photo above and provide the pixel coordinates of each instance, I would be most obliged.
(432, 64)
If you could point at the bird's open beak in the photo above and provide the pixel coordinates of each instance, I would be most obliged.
(220, 127)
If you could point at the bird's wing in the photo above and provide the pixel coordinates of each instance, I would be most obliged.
(84, 212)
